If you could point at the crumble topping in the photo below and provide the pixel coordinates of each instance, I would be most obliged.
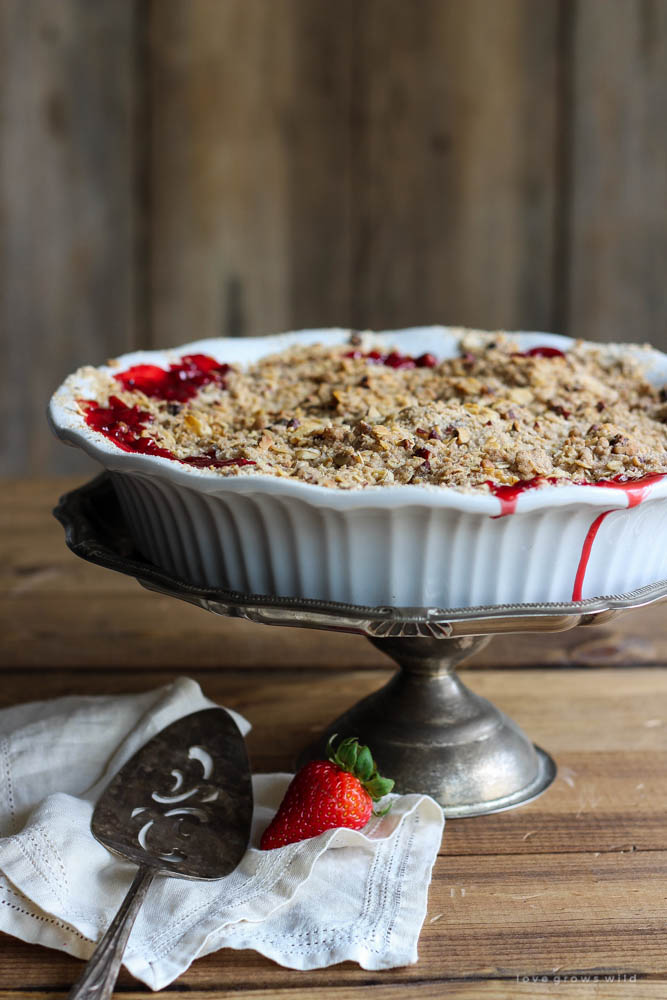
(347, 416)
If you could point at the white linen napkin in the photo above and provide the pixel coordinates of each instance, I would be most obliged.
(342, 895)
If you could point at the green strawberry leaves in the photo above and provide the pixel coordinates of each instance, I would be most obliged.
(345, 756)
(365, 764)
(358, 760)
(378, 787)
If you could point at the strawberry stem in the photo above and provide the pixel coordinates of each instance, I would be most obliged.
(356, 759)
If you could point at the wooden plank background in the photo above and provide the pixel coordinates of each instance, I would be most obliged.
(172, 170)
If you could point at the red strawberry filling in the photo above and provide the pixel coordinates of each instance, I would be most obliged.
(540, 352)
(125, 425)
(179, 382)
(394, 359)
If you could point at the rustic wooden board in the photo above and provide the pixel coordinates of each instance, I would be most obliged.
(585, 986)
(618, 172)
(221, 108)
(69, 277)
(489, 918)
(572, 884)
(593, 987)
(454, 173)
(611, 792)
(393, 165)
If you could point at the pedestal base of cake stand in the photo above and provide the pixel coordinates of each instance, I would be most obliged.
(429, 732)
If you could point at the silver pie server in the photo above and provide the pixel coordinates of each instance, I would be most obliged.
(182, 806)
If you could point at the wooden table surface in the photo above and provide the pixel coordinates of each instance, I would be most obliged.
(572, 885)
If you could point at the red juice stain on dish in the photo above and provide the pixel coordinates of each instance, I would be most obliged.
(636, 490)
(509, 495)
(179, 383)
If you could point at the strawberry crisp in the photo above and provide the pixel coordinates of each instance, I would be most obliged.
(353, 416)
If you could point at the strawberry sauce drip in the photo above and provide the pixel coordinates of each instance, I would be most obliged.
(586, 554)
(124, 425)
(636, 490)
(179, 382)
(509, 495)
(395, 360)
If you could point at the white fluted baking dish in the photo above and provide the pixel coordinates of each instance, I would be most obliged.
(401, 545)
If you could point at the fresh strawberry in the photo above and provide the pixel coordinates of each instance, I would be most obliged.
(325, 794)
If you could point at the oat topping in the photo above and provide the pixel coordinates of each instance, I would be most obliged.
(348, 417)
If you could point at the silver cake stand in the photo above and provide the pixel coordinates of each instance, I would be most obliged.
(427, 730)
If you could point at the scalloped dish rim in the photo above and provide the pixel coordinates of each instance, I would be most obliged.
(68, 423)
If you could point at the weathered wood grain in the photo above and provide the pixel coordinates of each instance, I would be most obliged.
(220, 82)
(578, 917)
(453, 181)
(392, 165)
(584, 987)
(68, 249)
(618, 174)
(488, 918)
(607, 730)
